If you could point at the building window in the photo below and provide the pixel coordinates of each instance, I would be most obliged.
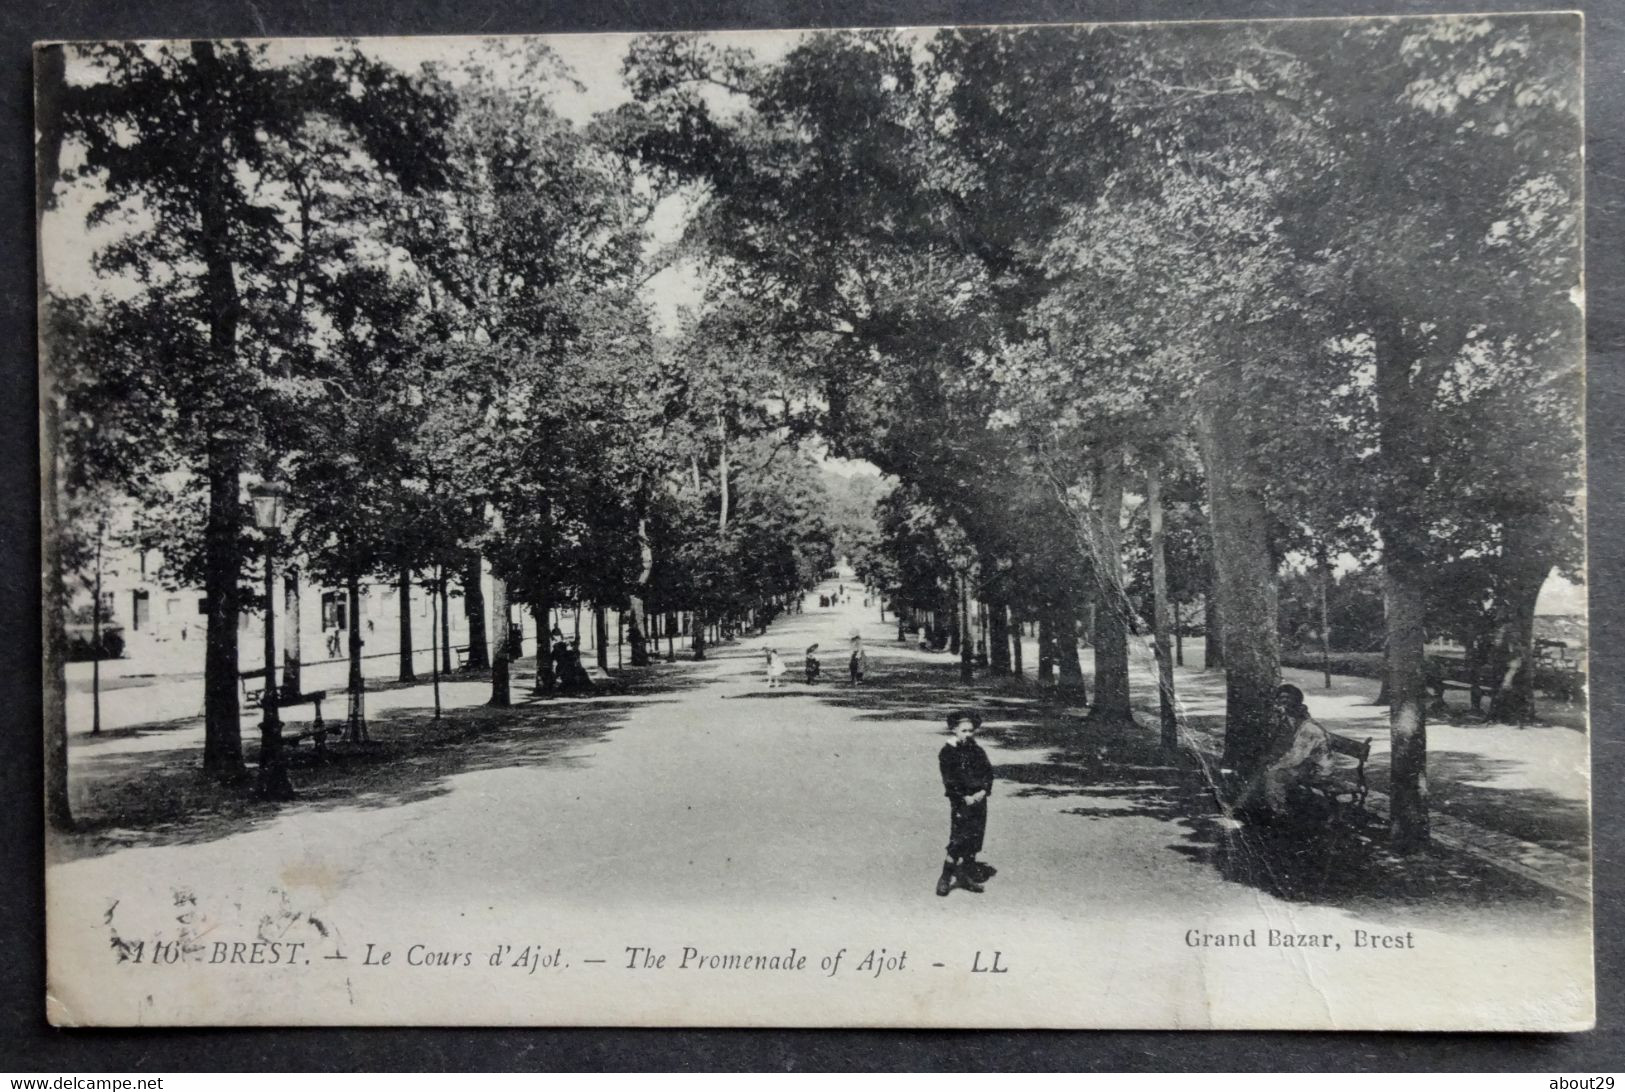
(140, 608)
(203, 606)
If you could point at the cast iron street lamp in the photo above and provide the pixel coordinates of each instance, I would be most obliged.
(273, 775)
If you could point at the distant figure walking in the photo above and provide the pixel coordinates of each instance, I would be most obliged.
(812, 665)
(967, 779)
(775, 668)
(859, 662)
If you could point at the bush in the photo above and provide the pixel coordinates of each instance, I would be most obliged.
(1558, 683)
(1361, 665)
(80, 648)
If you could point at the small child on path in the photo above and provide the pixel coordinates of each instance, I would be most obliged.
(967, 780)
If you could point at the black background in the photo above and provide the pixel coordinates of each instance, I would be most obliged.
(28, 1044)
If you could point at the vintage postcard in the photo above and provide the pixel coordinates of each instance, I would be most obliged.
(1034, 526)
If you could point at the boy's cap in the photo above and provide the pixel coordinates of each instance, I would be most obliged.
(959, 715)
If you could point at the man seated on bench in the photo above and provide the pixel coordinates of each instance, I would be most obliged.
(1300, 757)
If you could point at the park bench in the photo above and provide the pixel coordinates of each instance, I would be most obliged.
(1338, 794)
(254, 696)
(1342, 800)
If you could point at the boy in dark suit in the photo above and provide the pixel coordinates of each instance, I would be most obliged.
(967, 779)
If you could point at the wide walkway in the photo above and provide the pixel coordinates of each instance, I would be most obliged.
(696, 802)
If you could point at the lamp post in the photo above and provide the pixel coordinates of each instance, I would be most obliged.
(435, 587)
(273, 781)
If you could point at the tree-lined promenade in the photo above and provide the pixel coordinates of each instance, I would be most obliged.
(1138, 321)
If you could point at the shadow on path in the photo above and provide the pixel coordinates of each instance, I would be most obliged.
(1119, 773)
(1469, 786)
(162, 797)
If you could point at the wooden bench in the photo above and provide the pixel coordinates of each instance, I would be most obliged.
(1337, 793)
(254, 697)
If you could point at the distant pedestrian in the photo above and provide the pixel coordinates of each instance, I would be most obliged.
(859, 662)
(775, 668)
(576, 680)
(558, 660)
(967, 779)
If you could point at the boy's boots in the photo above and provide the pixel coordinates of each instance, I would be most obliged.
(965, 877)
(945, 882)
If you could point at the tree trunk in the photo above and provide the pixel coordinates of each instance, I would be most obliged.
(1017, 628)
(1212, 626)
(1111, 604)
(222, 727)
(445, 623)
(1476, 656)
(637, 632)
(542, 613)
(1526, 568)
(671, 637)
(1402, 460)
(355, 722)
(1325, 620)
(437, 632)
(982, 654)
(479, 651)
(1245, 589)
(501, 652)
(600, 634)
(96, 642)
(404, 585)
(1046, 645)
(1064, 648)
(998, 637)
(967, 642)
(722, 474)
(1407, 717)
(292, 641)
(953, 617)
(50, 76)
(1160, 616)
(222, 558)
(1179, 636)
(698, 626)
